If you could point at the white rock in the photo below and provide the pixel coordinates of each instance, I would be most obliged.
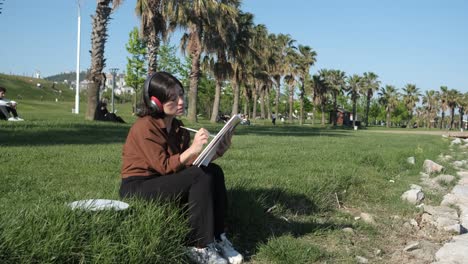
(413, 196)
(456, 141)
(360, 259)
(411, 246)
(454, 251)
(410, 160)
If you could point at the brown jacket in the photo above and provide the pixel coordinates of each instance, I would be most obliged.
(151, 150)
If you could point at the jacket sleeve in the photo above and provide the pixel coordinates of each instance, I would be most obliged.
(154, 146)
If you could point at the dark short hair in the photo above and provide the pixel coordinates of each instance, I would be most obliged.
(2, 89)
(163, 86)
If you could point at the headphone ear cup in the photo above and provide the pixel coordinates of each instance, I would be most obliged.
(153, 105)
(156, 104)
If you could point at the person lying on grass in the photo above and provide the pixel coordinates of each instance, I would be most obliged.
(157, 164)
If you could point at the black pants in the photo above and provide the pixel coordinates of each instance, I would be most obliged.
(202, 189)
(6, 110)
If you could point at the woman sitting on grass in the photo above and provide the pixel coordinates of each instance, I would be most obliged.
(157, 164)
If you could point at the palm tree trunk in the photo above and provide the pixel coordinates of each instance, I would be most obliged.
(214, 113)
(98, 62)
(262, 103)
(278, 92)
(442, 120)
(267, 103)
(291, 102)
(388, 118)
(235, 103)
(368, 106)
(335, 107)
(452, 115)
(301, 110)
(354, 112)
(254, 107)
(195, 52)
(323, 114)
(153, 43)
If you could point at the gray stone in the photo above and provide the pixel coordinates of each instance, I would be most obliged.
(411, 160)
(456, 141)
(455, 251)
(367, 218)
(411, 246)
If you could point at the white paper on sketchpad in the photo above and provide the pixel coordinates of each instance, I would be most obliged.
(98, 205)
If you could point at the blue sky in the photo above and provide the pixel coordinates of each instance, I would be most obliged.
(424, 42)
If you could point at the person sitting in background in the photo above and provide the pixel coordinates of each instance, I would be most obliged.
(7, 107)
(102, 114)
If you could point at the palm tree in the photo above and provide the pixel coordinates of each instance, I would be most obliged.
(429, 102)
(152, 27)
(306, 58)
(259, 64)
(239, 51)
(217, 42)
(443, 103)
(452, 99)
(371, 85)
(462, 107)
(282, 45)
(336, 81)
(98, 62)
(196, 16)
(410, 98)
(388, 97)
(355, 85)
(320, 95)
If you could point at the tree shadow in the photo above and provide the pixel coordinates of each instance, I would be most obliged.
(43, 133)
(257, 214)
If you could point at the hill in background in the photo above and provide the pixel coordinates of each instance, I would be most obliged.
(69, 76)
(28, 88)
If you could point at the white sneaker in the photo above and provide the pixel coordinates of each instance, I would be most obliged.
(15, 119)
(207, 255)
(227, 250)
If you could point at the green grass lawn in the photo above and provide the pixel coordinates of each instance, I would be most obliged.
(283, 186)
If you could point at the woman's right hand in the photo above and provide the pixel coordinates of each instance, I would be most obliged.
(199, 140)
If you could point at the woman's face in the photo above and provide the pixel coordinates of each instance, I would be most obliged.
(175, 107)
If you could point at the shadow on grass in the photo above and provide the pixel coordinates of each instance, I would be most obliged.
(43, 133)
(256, 215)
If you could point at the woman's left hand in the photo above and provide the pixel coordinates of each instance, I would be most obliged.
(223, 145)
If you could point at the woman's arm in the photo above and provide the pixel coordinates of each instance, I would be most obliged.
(199, 140)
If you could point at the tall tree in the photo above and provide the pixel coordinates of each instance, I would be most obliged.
(430, 104)
(319, 95)
(239, 53)
(100, 20)
(443, 104)
(371, 85)
(282, 45)
(411, 96)
(462, 107)
(196, 16)
(355, 85)
(217, 42)
(305, 59)
(336, 81)
(389, 97)
(153, 27)
(136, 70)
(452, 99)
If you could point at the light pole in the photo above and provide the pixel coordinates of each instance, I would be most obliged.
(114, 72)
(77, 94)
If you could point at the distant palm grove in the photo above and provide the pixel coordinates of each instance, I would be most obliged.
(235, 66)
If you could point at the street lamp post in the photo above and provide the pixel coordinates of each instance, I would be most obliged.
(77, 92)
(114, 72)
